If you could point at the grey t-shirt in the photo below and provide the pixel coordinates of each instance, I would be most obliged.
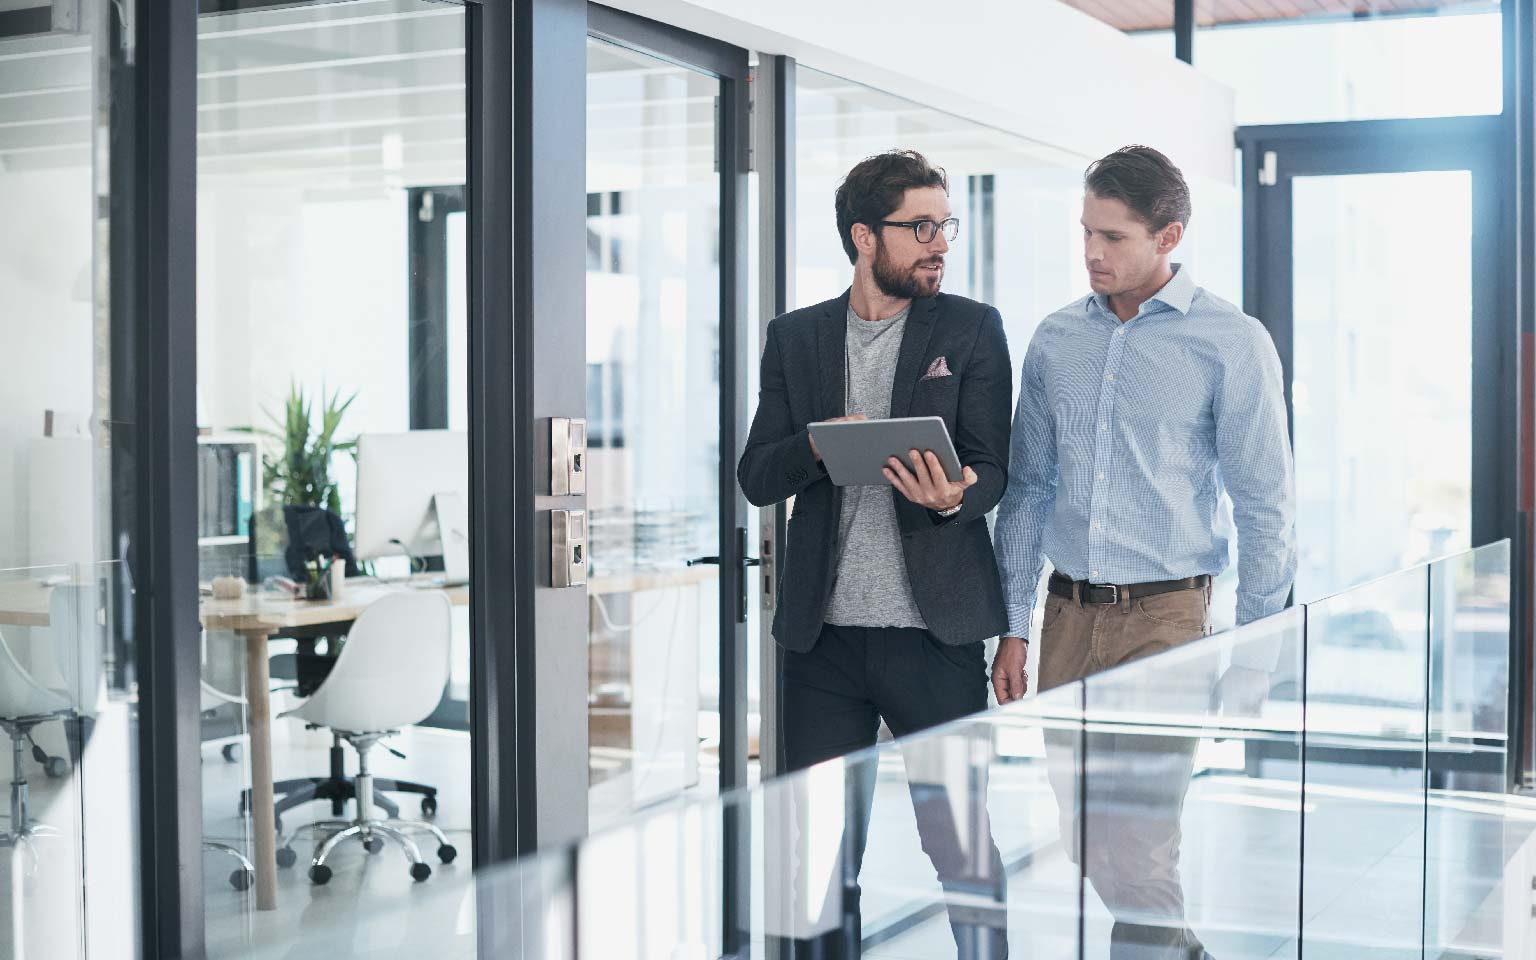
(871, 588)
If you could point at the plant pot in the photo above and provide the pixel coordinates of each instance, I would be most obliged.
(319, 586)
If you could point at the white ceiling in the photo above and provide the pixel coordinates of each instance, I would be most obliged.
(370, 93)
(358, 93)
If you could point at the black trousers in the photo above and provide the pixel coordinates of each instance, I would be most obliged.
(833, 699)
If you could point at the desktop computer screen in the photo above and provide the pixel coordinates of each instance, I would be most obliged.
(413, 497)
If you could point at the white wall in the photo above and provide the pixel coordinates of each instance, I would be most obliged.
(304, 286)
(1035, 68)
(47, 358)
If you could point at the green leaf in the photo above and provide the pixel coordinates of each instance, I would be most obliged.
(302, 474)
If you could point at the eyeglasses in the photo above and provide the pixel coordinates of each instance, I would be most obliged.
(926, 230)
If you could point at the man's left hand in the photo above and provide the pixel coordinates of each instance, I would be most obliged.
(924, 482)
(1240, 692)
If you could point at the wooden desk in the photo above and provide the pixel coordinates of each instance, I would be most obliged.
(24, 603)
(256, 617)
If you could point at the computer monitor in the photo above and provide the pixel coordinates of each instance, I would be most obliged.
(413, 497)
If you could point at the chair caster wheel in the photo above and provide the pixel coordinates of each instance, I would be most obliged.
(320, 875)
(420, 872)
(429, 806)
(242, 879)
(286, 857)
(446, 853)
(56, 767)
(373, 844)
(231, 754)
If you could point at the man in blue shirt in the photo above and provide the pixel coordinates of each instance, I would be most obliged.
(1138, 405)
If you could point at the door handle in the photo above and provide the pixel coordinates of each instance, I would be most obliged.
(745, 561)
(742, 564)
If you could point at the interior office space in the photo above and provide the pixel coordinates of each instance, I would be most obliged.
(300, 431)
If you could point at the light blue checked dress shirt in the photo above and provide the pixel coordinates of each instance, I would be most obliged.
(1126, 436)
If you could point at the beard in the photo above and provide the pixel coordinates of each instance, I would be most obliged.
(908, 284)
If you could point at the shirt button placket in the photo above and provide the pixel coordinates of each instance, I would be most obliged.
(1101, 449)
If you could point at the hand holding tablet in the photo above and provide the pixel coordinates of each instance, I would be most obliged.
(855, 451)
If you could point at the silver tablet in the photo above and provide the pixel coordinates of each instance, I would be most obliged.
(855, 451)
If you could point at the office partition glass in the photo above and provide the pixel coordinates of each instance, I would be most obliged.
(332, 296)
(69, 756)
(653, 428)
(68, 698)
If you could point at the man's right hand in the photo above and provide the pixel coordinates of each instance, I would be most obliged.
(817, 453)
(1009, 681)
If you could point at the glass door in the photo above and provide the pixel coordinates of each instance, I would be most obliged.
(665, 575)
(1382, 375)
(1370, 263)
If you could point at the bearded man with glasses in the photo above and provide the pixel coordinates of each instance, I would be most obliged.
(889, 592)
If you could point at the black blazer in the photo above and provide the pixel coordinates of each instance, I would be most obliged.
(949, 561)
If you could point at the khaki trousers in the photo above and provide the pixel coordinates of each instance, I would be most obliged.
(1123, 827)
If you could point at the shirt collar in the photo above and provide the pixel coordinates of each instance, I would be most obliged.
(1178, 293)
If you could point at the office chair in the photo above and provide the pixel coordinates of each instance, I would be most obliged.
(303, 673)
(244, 875)
(390, 674)
(24, 703)
(312, 530)
(76, 624)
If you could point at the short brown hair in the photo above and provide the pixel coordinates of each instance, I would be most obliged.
(874, 189)
(1144, 180)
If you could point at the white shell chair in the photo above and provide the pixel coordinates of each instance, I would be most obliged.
(390, 674)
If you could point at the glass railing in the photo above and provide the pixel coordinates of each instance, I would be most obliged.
(1331, 779)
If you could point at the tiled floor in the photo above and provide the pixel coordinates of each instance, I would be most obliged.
(361, 882)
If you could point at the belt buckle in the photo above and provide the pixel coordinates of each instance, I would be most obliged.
(1082, 595)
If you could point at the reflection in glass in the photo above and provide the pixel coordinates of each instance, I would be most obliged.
(1192, 826)
(1383, 329)
(929, 885)
(653, 317)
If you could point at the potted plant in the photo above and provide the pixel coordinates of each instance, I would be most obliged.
(300, 474)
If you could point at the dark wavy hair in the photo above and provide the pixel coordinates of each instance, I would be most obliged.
(873, 190)
(1144, 180)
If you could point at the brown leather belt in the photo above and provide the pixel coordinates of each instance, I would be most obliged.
(1107, 593)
